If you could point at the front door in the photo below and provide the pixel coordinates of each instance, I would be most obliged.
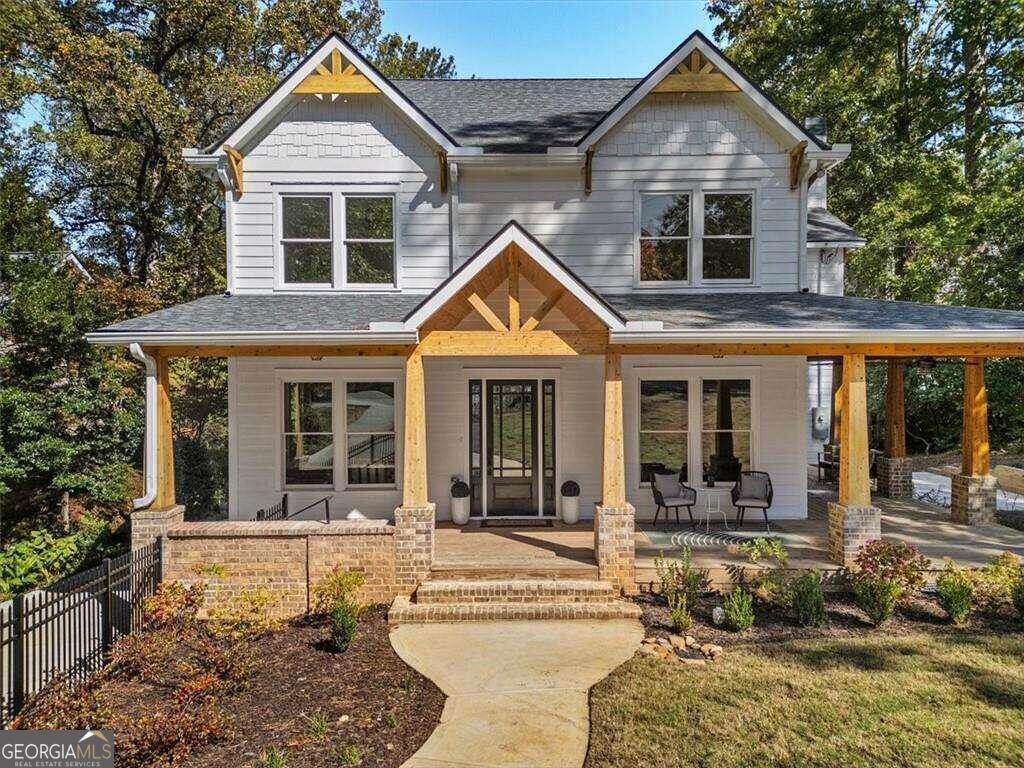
(511, 438)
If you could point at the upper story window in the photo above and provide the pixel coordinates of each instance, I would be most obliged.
(333, 240)
(665, 238)
(728, 236)
(687, 237)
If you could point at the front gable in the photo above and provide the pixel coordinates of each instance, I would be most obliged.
(513, 284)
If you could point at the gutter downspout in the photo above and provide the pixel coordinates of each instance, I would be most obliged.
(149, 493)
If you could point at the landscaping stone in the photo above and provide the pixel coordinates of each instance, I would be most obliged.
(678, 641)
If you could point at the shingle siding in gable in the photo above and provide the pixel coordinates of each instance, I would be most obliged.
(689, 124)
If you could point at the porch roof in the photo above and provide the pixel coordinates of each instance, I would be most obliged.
(350, 316)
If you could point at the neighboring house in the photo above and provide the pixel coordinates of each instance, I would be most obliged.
(523, 282)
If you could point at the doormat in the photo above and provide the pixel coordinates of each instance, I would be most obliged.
(516, 523)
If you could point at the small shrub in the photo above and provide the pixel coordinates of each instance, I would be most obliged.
(994, 584)
(739, 610)
(681, 586)
(955, 590)
(341, 584)
(246, 617)
(389, 719)
(316, 725)
(679, 613)
(349, 755)
(1018, 594)
(168, 735)
(271, 758)
(878, 598)
(807, 600)
(891, 561)
(764, 548)
(173, 605)
(344, 621)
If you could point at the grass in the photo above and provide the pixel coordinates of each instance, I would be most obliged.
(928, 701)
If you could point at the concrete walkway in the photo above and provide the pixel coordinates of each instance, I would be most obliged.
(517, 690)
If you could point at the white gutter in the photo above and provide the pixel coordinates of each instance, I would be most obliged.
(771, 336)
(239, 338)
(149, 493)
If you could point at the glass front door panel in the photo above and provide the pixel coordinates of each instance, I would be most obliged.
(512, 465)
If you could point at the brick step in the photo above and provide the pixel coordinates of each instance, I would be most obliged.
(405, 612)
(518, 590)
(452, 570)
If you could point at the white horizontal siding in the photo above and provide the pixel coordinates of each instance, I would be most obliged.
(780, 430)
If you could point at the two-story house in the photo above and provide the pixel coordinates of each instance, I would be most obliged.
(519, 283)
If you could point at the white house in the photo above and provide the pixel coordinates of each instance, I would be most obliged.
(523, 282)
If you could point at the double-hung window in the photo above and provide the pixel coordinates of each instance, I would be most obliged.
(336, 240)
(665, 238)
(725, 428)
(727, 243)
(370, 432)
(664, 428)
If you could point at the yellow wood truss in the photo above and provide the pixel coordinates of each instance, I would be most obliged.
(335, 75)
(695, 74)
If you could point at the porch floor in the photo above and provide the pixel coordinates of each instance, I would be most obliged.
(568, 550)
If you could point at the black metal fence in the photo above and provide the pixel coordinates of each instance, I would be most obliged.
(66, 630)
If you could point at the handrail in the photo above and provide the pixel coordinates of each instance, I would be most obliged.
(326, 501)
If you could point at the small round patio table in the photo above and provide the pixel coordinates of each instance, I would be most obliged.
(712, 506)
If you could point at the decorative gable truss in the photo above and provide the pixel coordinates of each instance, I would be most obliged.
(334, 76)
(696, 74)
(516, 289)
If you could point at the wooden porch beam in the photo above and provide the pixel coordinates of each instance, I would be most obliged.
(165, 496)
(796, 159)
(486, 312)
(613, 474)
(975, 422)
(492, 343)
(236, 168)
(835, 433)
(895, 417)
(854, 481)
(414, 461)
(513, 289)
(542, 311)
(285, 350)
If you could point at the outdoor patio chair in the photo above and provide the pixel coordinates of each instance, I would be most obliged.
(670, 493)
(752, 491)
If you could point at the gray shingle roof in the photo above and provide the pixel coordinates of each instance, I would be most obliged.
(823, 227)
(526, 115)
(712, 312)
(273, 313)
(807, 311)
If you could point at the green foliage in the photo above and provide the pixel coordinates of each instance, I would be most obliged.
(317, 725)
(42, 558)
(173, 605)
(739, 610)
(340, 585)
(807, 600)
(878, 598)
(994, 584)
(349, 755)
(764, 548)
(955, 589)
(344, 617)
(681, 586)
(272, 758)
(1017, 595)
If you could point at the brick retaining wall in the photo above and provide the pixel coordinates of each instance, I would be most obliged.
(286, 557)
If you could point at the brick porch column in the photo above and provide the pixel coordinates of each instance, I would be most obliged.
(614, 517)
(894, 468)
(852, 520)
(414, 546)
(148, 525)
(974, 489)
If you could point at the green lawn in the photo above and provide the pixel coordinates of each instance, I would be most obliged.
(941, 701)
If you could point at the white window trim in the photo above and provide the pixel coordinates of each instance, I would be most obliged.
(695, 377)
(338, 379)
(339, 249)
(696, 190)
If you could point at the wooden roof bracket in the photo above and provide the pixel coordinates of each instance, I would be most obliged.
(796, 159)
(588, 171)
(442, 165)
(236, 165)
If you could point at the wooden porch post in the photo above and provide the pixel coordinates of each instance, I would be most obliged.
(414, 476)
(974, 490)
(164, 437)
(614, 517)
(895, 475)
(837, 401)
(613, 476)
(852, 521)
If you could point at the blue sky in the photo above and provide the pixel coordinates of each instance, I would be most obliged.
(541, 38)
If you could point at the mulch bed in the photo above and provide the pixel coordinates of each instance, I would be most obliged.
(374, 701)
(844, 619)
